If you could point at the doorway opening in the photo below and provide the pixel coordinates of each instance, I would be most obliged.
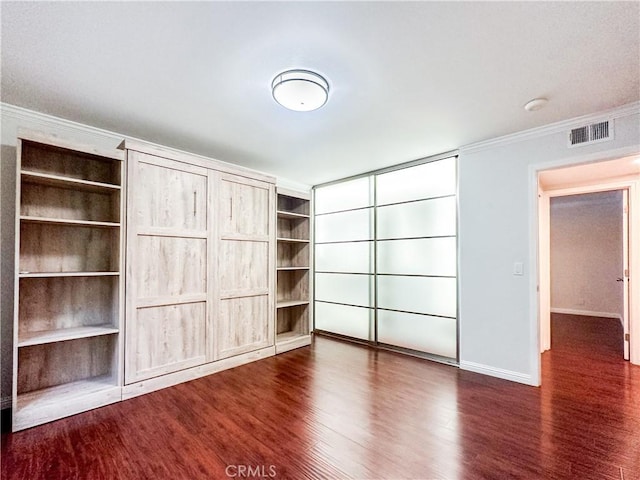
(597, 208)
(588, 260)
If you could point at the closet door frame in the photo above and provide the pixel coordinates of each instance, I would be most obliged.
(375, 342)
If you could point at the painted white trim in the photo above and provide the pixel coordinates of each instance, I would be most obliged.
(5, 402)
(552, 128)
(47, 121)
(586, 313)
(617, 183)
(499, 373)
(534, 240)
(544, 272)
(534, 278)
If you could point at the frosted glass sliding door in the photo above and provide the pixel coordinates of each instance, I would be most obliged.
(386, 258)
(416, 260)
(344, 261)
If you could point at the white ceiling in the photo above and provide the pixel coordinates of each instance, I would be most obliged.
(408, 79)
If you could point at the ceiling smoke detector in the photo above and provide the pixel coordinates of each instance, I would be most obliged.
(535, 104)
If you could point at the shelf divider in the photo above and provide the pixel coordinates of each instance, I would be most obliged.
(284, 214)
(291, 303)
(292, 240)
(63, 221)
(67, 274)
(63, 334)
(67, 182)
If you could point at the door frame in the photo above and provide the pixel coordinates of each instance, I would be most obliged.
(535, 359)
(623, 184)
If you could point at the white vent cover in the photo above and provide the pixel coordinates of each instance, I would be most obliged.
(594, 133)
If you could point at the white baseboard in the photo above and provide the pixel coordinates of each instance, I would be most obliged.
(586, 313)
(499, 373)
(5, 402)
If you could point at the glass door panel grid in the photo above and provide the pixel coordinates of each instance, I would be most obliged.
(386, 258)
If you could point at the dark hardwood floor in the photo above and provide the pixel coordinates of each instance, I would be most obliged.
(337, 410)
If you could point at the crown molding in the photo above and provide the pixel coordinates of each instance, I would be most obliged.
(47, 121)
(552, 128)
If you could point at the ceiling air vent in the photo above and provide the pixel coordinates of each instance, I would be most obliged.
(596, 132)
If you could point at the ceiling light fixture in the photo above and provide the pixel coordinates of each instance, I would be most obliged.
(300, 90)
(535, 104)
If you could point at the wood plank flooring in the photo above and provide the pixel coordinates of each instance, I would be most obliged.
(337, 410)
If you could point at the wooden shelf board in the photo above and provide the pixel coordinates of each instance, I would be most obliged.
(292, 240)
(67, 274)
(290, 340)
(67, 182)
(62, 221)
(48, 140)
(62, 334)
(283, 214)
(284, 269)
(289, 336)
(39, 406)
(291, 303)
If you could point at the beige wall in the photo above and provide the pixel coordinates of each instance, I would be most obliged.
(586, 253)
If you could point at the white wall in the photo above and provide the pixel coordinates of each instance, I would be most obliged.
(13, 118)
(586, 254)
(497, 212)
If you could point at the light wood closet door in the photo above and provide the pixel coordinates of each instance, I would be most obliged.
(245, 268)
(168, 240)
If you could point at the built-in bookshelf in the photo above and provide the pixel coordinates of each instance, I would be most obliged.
(67, 340)
(293, 270)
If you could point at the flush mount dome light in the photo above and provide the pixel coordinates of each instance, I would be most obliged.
(300, 90)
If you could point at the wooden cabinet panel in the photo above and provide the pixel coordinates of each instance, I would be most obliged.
(168, 289)
(243, 207)
(200, 266)
(244, 267)
(245, 273)
(242, 325)
(170, 266)
(168, 196)
(169, 338)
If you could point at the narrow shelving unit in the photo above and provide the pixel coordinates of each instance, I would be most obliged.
(293, 271)
(67, 340)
